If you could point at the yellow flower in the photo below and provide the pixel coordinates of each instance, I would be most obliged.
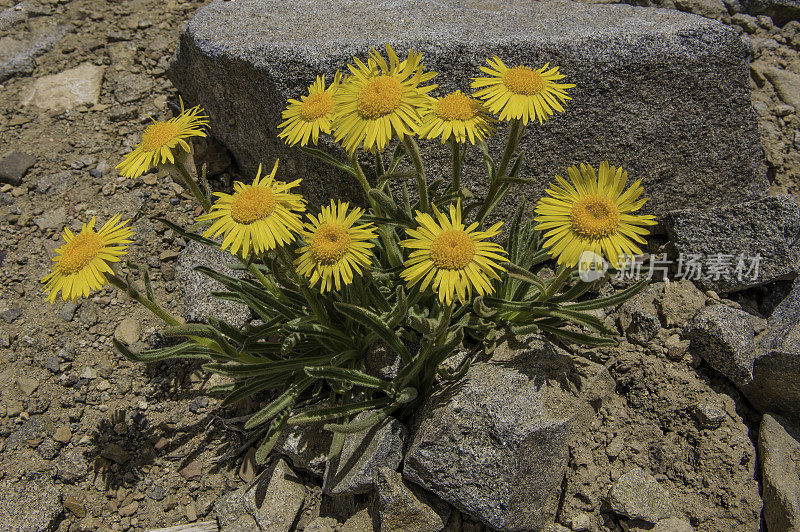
(312, 115)
(455, 115)
(162, 141)
(521, 92)
(82, 262)
(451, 258)
(334, 249)
(260, 216)
(379, 100)
(593, 214)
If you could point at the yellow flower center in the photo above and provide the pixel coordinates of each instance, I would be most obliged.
(330, 243)
(456, 106)
(594, 217)
(159, 135)
(80, 251)
(379, 97)
(252, 204)
(452, 250)
(316, 106)
(523, 80)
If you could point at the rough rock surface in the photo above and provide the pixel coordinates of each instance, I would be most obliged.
(400, 509)
(272, 502)
(363, 454)
(639, 496)
(197, 288)
(768, 227)
(495, 444)
(779, 455)
(307, 446)
(71, 88)
(724, 337)
(776, 370)
(29, 506)
(641, 76)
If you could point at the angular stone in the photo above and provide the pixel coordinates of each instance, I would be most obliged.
(272, 502)
(400, 509)
(680, 302)
(638, 495)
(68, 89)
(72, 466)
(22, 60)
(321, 524)
(776, 371)
(363, 454)
(641, 76)
(781, 11)
(779, 455)
(639, 317)
(128, 330)
(786, 84)
(14, 166)
(53, 219)
(768, 228)
(197, 288)
(307, 446)
(725, 338)
(30, 505)
(495, 445)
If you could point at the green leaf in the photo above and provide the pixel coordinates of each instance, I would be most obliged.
(373, 323)
(603, 302)
(335, 412)
(390, 208)
(243, 390)
(271, 438)
(284, 402)
(189, 329)
(351, 376)
(362, 425)
(524, 275)
(188, 349)
(191, 236)
(324, 157)
(243, 370)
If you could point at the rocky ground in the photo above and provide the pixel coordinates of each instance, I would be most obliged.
(92, 442)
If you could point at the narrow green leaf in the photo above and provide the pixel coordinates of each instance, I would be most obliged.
(373, 323)
(524, 275)
(272, 435)
(324, 157)
(334, 412)
(350, 376)
(284, 402)
(183, 350)
(191, 236)
(362, 425)
(603, 302)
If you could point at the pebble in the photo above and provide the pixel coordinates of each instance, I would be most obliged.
(62, 434)
(27, 385)
(708, 415)
(129, 509)
(114, 452)
(53, 364)
(75, 506)
(88, 373)
(14, 166)
(192, 470)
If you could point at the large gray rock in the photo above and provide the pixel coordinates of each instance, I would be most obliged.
(779, 455)
(776, 370)
(642, 76)
(272, 502)
(307, 446)
(29, 505)
(725, 338)
(768, 227)
(197, 287)
(363, 454)
(495, 444)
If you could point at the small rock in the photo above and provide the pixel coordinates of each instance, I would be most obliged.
(724, 337)
(62, 434)
(68, 89)
(638, 495)
(88, 314)
(709, 415)
(639, 317)
(67, 311)
(129, 509)
(53, 364)
(30, 505)
(10, 315)
(27, 385)
(75, 506)
(363, 454)
(400, 509)
(580, 522)
(114, 452)
(72, 466)
(322, 524)
(787, 85)
(676, 347)
(307, 446)
(779, 455)
(361, 521)
(89, 373)
(192, 470)
(128, 331)
(680, 302)
(14, 166)
(156, 492)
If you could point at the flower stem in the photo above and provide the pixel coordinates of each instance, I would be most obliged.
(148, 303)
(454, 147)
(413, 151)
(192, 184)
(269, 285)
(311, 298)
(362, 179)
(561, 277)
(514, 136)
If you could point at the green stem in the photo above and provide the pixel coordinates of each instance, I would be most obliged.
(454, 147)
(561, 277)
(269, 285)
(311, 298)
(362, 179)
(512, 143)
(413, 151)
(192, 184)
(151, 305)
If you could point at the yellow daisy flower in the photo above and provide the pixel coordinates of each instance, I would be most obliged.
(334, 249)
(82, 262)
(593, 214)
(521, 92)
(451, 258)
(312, 115)
(260, 216)
(162, 141)
(379, 100)
(455, 115)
